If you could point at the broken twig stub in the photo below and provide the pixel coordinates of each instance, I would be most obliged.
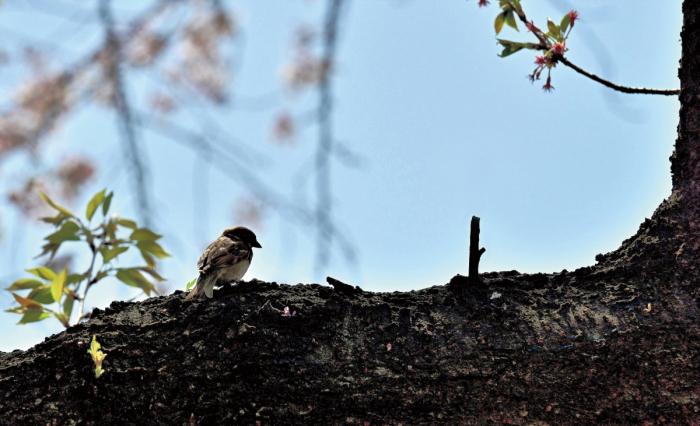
(474, 251)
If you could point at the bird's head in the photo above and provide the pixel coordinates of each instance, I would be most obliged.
(244, 234)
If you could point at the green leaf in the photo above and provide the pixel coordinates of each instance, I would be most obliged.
(66, 233)
(43, 272)
(150, 260)
(68, 305)
(152, 272)
(126, 222)
(94, 204)
(33, 316)
(153, 248)
(134, 278)
(16, 310)
(25, 283)
(191, 284)
(509, 47)
(74, 279)
(57, 285)
(100, 275)
(55, 206)
(510, 20)
(111, 229)
(500, 20)
(109, 253)
(106, 204)
(27, 303)
(42, 295)
(565, 23)
(554, 29)
(49, 248)
(56, 220)
(62, 318)
(143, 234)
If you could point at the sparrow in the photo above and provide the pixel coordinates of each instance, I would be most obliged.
(226, 259)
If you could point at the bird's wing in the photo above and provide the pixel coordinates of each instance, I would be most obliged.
(221, 253)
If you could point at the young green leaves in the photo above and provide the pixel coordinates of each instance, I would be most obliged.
(552, 43)
(50, 289)
(103, 244)
(95, 203)
(191, 284)
(97, 356)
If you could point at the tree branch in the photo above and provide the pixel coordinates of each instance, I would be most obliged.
(325, 137)
(623, 89)
(121, 102)
(229, 165)
(474, 251)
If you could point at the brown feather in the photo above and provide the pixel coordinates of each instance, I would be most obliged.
(224, 260)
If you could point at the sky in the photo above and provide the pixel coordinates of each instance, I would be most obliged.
(445, 130)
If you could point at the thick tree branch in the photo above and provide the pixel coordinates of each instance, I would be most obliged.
(623, 89)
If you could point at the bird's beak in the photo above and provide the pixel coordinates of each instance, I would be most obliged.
(256, 244)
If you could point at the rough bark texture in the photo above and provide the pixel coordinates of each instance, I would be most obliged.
(616, 343)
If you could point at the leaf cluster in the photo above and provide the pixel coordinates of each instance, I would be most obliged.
(48, 287)
(555, 34)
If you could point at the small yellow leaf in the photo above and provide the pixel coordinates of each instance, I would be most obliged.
(500, 20)
(57, 285)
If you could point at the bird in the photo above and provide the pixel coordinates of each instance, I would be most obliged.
(226, 259)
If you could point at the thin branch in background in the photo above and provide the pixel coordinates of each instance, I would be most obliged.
(236, 170)
(623, 89)
(134, 155)
(213, 130)
(325, 138)
(200, 192)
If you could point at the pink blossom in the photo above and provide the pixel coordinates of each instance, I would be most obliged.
(483, 3)
(388, 346)
(548, 87)
(540, 61)
(559, 49)
(531, 26)
(573, 16)
(286, 312)
(284, 128)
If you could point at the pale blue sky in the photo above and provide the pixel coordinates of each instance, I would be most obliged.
(447, 129)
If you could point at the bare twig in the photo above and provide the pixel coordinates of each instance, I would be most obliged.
(474, 251)
(623, 89)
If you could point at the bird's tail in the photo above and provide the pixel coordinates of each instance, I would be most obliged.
(198, 288)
